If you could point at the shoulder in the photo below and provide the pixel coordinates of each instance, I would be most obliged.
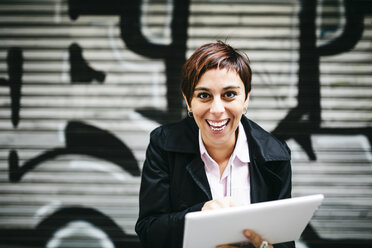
(267, 146)
(180, 136)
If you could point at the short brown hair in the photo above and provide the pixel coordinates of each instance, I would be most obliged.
(217, 55)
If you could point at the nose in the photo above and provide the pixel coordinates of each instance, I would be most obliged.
(218, 106)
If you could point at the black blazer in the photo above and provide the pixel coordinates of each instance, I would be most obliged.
(174, 181)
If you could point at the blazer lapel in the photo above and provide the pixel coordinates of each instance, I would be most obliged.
(258, 187)
(196, 169)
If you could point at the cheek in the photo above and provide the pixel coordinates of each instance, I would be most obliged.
(198, 108)
(237, 108)
(199, 114)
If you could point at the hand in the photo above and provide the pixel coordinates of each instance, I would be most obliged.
(255, 240)
(225, 202)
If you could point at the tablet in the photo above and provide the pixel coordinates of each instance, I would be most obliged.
(276, 221)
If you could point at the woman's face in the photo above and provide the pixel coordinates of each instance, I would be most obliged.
(217, 106)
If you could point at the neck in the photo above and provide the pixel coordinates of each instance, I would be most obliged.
(222, 153)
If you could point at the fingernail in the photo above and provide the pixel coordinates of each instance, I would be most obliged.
(247, 233)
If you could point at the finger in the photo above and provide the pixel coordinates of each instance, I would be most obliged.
(229, 202)
(209, 205)
(215, 205)
(206, 206)
(223, 202)
(233, 203)
(255, 238)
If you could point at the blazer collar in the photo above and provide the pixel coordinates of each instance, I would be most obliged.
(182, 137)
(263, 146)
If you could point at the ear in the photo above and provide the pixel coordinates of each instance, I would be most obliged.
(246, 101)
(188, 107)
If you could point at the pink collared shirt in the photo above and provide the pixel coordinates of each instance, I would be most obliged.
(234, 181)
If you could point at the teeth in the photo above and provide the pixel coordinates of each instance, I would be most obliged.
(217, 124)
(218, 129)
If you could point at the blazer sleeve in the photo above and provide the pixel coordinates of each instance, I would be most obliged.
(285, 173)
(285, 192)
(158, 225)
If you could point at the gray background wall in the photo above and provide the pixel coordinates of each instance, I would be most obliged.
(72, 144)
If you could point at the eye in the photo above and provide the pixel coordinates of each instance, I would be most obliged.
(230, 94)
(203, 95)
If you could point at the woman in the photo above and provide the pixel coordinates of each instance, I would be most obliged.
(215, 157)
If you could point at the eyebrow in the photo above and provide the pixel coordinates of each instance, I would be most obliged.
(226, 88)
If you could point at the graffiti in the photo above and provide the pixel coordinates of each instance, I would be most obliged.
(81, 139)
(85, 140)
(355, 12)
(14, 81)
(305, 119)
(80, 71)
(130, 27)
(44, 234)
(64, 220)
(329, 27)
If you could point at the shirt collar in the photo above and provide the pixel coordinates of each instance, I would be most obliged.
(241, 146)
(203, 151)
(240, 150)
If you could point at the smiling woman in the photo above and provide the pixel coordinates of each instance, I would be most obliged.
(214, 158)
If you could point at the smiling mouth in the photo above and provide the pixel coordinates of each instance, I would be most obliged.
(218, 125)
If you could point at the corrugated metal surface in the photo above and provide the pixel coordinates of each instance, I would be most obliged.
(88, 198)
